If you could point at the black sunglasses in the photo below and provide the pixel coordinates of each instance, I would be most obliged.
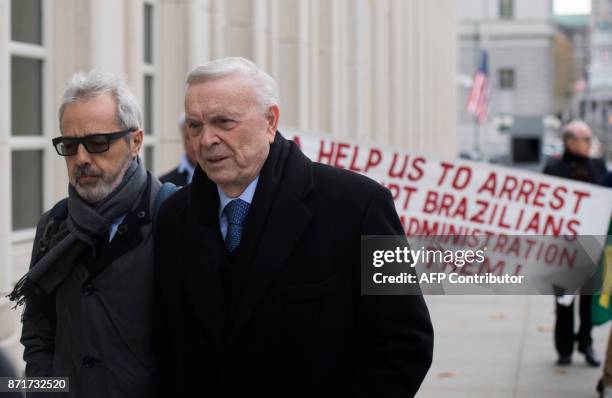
(94, 143)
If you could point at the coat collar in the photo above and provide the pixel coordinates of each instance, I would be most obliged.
(207, 254)
(277, 219)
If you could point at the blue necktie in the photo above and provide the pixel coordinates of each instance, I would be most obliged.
(235, 211)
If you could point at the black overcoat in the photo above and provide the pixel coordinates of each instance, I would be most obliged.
(294, 323)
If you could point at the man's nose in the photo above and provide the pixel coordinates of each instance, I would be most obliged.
(209, 136)
(82, 157)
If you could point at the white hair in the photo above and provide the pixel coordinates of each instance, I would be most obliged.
(265, 86)
(569, 130)
(87, 85)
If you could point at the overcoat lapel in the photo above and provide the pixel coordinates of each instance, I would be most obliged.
(277, 219)
(206, 255)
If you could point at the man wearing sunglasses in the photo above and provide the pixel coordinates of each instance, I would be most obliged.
(88, 293)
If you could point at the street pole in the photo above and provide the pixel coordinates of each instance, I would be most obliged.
(477, 55)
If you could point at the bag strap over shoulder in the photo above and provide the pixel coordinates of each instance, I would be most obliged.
(166, 190)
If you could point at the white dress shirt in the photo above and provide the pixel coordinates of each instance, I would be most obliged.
(246, 195)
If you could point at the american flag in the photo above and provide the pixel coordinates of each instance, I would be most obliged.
(478, 100)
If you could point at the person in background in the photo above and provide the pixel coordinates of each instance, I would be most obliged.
(575, 164)
(183, 173)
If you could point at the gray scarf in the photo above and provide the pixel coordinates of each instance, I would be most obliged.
(86, 225)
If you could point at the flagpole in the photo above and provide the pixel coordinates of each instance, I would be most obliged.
(477, 55)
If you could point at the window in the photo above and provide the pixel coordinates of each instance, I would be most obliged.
(26, 21)
(26, 188)
(148, 159)
(506, 9)
(526, 149)
(148, 104)
(149, 83)
(26, 96)
(29, 122)
(506, 78)
(148, 33)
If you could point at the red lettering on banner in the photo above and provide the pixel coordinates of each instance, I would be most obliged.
(534, 224)
(445, 204)
(466, 173)
(572, 227)
(551, 254)
(461, 177)
(569, 257)
(469, 195)
(461, 210)
(412, 228)
(374, 159)
(340, 155)
(500, 242)
(445, 168)
(510, 184)
(530, 243)
(539, 194)
(454, 231)
(520, 218)
(397, 174)
(550, 228)
(427, 230)
(394, 188)
(559, 198)
(521, 247)
(354, 166)
(502, 217)
(409, 191)
(517, 270)
(493, 213)
(411, 170)
(579, 196)
(526, 189)
(417, 164)
(547, 225)
(396, 193)
(514, 248)
(489, 185)
(431, 202)
(482, 207)
(326, 155)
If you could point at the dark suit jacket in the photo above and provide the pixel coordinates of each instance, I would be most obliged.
(297, 325)
(96, 327)
(606, 180)
(176, 177)
(568, 166)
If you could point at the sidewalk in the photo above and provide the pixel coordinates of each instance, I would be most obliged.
(502, 346)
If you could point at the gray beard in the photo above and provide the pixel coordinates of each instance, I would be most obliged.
(99, 191)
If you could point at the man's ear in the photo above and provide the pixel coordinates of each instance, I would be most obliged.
(272, 117)
(136, 142)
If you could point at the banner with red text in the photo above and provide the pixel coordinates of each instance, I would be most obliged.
(522, 218)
